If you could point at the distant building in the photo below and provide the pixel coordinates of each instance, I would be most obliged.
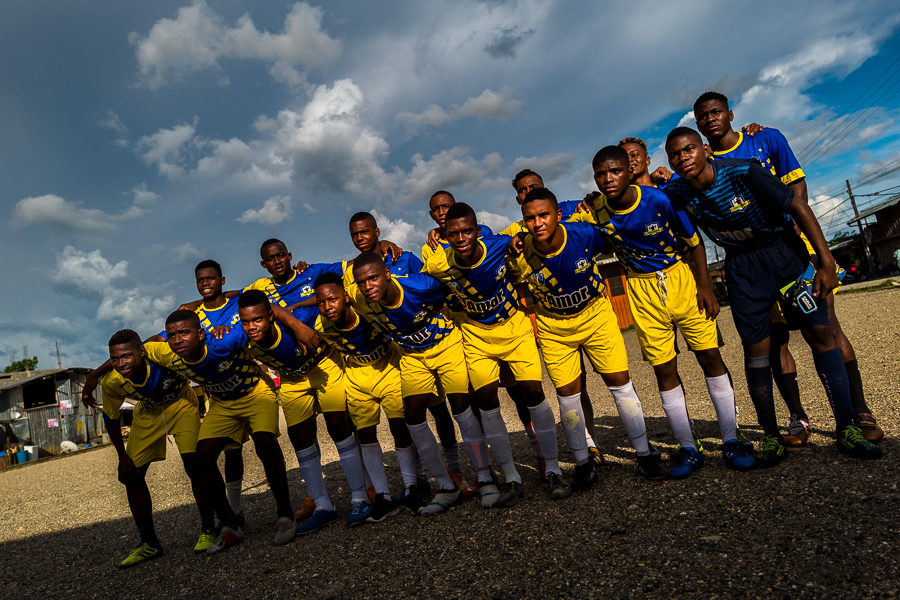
(882, 236)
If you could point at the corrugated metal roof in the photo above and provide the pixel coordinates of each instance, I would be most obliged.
(871, 211)
(42, 375)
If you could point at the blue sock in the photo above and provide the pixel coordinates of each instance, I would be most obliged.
(830, 367)
(759, 384)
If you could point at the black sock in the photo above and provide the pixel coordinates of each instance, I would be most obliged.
(854, 378)
(208, 523)
(790, 392)
(759, 384)
(148, 534)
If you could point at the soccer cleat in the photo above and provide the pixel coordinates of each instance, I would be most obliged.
(382, 508)
(207, 537)
(852, 442)
(228, 537)
(359, 513)
(771, 452)
(737, 458)
(744, 440)
(424, 484)
(697, 442)
(655, 454)
(557, 487)
(541, 467)
(595, 455)
(870, 430)
(415, 499)
(318, 520)
(285, 531)
(239, 519)
(585, 477)
(143, 552)
(443, 500)
(650, 469)
(687, 460)
(510, 494)
(798, 432)
(306, 510)
(489, 493)
(467, 490)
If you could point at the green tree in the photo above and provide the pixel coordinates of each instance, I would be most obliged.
(26, 364)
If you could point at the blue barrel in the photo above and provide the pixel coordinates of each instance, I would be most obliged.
(21, 456)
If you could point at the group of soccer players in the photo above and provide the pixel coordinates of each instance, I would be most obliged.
(388, 331)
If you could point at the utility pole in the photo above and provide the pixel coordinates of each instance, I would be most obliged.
(58, 359)
(862, 237)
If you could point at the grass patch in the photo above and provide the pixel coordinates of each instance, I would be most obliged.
(887, 283)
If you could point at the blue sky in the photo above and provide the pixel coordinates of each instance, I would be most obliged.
(139, 138)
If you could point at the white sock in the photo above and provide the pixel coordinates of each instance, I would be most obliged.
(408, 458)
(373, 457)
(473, 438)
(572, 418)
(722, 395)
(632, 416)
(367, 481)
(233, 493)
(348, 451)
(545, 430)
(533, 440)
(427, 447)
(498, 439)
(420, 465)
(451, 457)
(676, 412)
(587, 437)
(310, 460)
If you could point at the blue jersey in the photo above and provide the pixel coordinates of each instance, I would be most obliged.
(414, 322)
(567, 281)
(745, 208)
(286, 355)
(363, 343)
(568, 212)
(483, 289)
(210, 318)
(650, 236)
(298, 287)
(483, 230)
(225, 370)
(159, 387)
(771, 148)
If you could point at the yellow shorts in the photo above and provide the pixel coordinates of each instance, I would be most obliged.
(595, 330)
(512, 342)
(374, 385)
(660, 305)
(322, 388)
(421, 369)
(152, 426)
(227, 418)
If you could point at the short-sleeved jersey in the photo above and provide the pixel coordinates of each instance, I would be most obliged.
(745, 207)
(567, 208)
(565, 282)
(210, 318)
(414, 322)
(442, 243)
(225, 370)
(771, 148)
(650, 236)
(298, 287)
(286, 355)
(484, 290)
(363, 343)
(159, 387)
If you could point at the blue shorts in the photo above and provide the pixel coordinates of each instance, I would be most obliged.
(755, 279)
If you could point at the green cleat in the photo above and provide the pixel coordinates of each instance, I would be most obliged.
(771, 451)
(143, 552)
(207, 537)
(852, 442)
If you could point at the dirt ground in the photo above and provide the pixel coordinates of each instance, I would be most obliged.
(820, 525)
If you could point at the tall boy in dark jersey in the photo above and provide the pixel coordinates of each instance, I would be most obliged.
(746, 210)
(714, 119)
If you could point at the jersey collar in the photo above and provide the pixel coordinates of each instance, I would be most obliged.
(477, 264)
(631, 208)
(733, 148)
(402, 295)
(561, 248)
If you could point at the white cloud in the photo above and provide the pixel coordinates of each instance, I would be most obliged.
(275, 210)
(53, 211)
(549, 166)
(144, 196)
(489, 104)
(497, 223)
(198, 39)
(139, 306)
(115, 124)
(185, 252)
(404, 234)
(168, 149)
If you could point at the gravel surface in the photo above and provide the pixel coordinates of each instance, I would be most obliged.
(819, 525)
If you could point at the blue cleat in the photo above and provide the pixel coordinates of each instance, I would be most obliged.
(318, 520)
(735, 455)
(359, 514)
(687, 460)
